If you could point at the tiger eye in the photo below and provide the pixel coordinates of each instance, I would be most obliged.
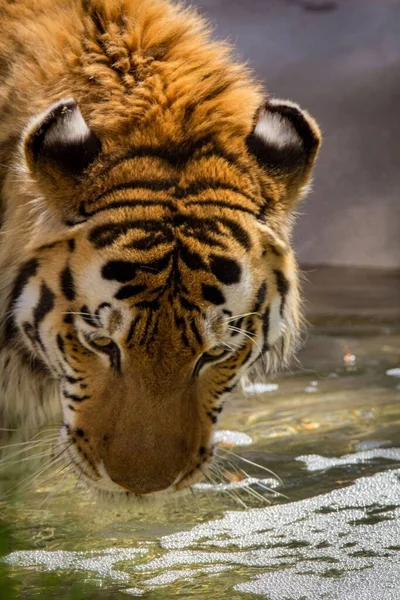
(102, 342)
(217, 351)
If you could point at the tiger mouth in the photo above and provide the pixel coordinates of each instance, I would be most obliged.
(97, 481)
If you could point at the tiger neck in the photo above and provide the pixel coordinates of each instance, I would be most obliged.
(28, 396)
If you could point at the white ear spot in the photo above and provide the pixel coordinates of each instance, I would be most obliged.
(69, 128)
(275, 130)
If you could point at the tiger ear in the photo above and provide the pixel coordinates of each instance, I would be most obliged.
(58, 147)
(285, 141)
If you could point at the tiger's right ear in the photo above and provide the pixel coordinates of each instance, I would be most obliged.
(59, 146)
(285, 141)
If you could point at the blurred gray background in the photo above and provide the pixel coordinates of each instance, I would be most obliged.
(340, 59)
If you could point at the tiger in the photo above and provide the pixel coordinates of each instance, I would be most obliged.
(148, 190)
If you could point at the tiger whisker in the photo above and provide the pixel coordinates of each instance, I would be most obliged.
(56, 488)
(246, 334)
(5, 461)
(235, 317)
(27, 450)
(250, 462)
(31, 443)
(247, 488)
(230, 493)
(240, 330)
(260, 483)
(31, 478)
(53, 428)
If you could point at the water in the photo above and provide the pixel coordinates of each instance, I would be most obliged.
(330, 429)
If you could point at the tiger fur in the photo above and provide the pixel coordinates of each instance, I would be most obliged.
(147, 189)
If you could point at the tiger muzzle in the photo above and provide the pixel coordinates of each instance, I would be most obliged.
(150, 440)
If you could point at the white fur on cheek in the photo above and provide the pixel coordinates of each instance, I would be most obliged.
(93, 286)
(238, 294)
(27, 301)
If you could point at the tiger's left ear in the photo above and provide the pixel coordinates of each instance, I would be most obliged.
(59, 146)
(285, 141)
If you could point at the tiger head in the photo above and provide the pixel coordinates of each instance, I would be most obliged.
(156, 276)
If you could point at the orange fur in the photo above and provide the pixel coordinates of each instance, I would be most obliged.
(140, 76)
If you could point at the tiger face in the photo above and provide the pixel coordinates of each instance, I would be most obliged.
(159, 276)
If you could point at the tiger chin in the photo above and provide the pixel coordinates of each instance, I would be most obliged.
(147, 194)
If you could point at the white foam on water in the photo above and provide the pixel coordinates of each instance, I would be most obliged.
(353, 585)
(310, 389)
(260, 388)
(99, 562)
(236, 438)
(393, 372)
(235, 485)
(342, 545)
(314, 462)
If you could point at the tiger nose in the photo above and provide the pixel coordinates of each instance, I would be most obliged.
(144, 468)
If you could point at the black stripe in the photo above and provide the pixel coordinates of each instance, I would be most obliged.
(132, 328)
(229, 388)
(107, 233)
(150, 241)
(127, 291)
(212, 294)
(88, 317)
(132, 203)
(44, 306)
(28, 270)
(195, 331)
(74, 397)
(237, 231)
(226, 270)
(124, 270)
(265, 319)
(119, 270)
(60, 344)
(150, 304)
(204, 238)
(238, 325)
(197, 226)
(73, 380)
(149, 319)
(247, 357)
(260, 298)
(185, 303)
(229, 157)
(191, 259)
(283, 287)
(220, 204)
(202, 185)
(174, 154)
(154, 185)
(67, 284)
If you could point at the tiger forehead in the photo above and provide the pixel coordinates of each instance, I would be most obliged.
(143, 179)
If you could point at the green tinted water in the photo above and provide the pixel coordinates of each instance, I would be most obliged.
(334, 528)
